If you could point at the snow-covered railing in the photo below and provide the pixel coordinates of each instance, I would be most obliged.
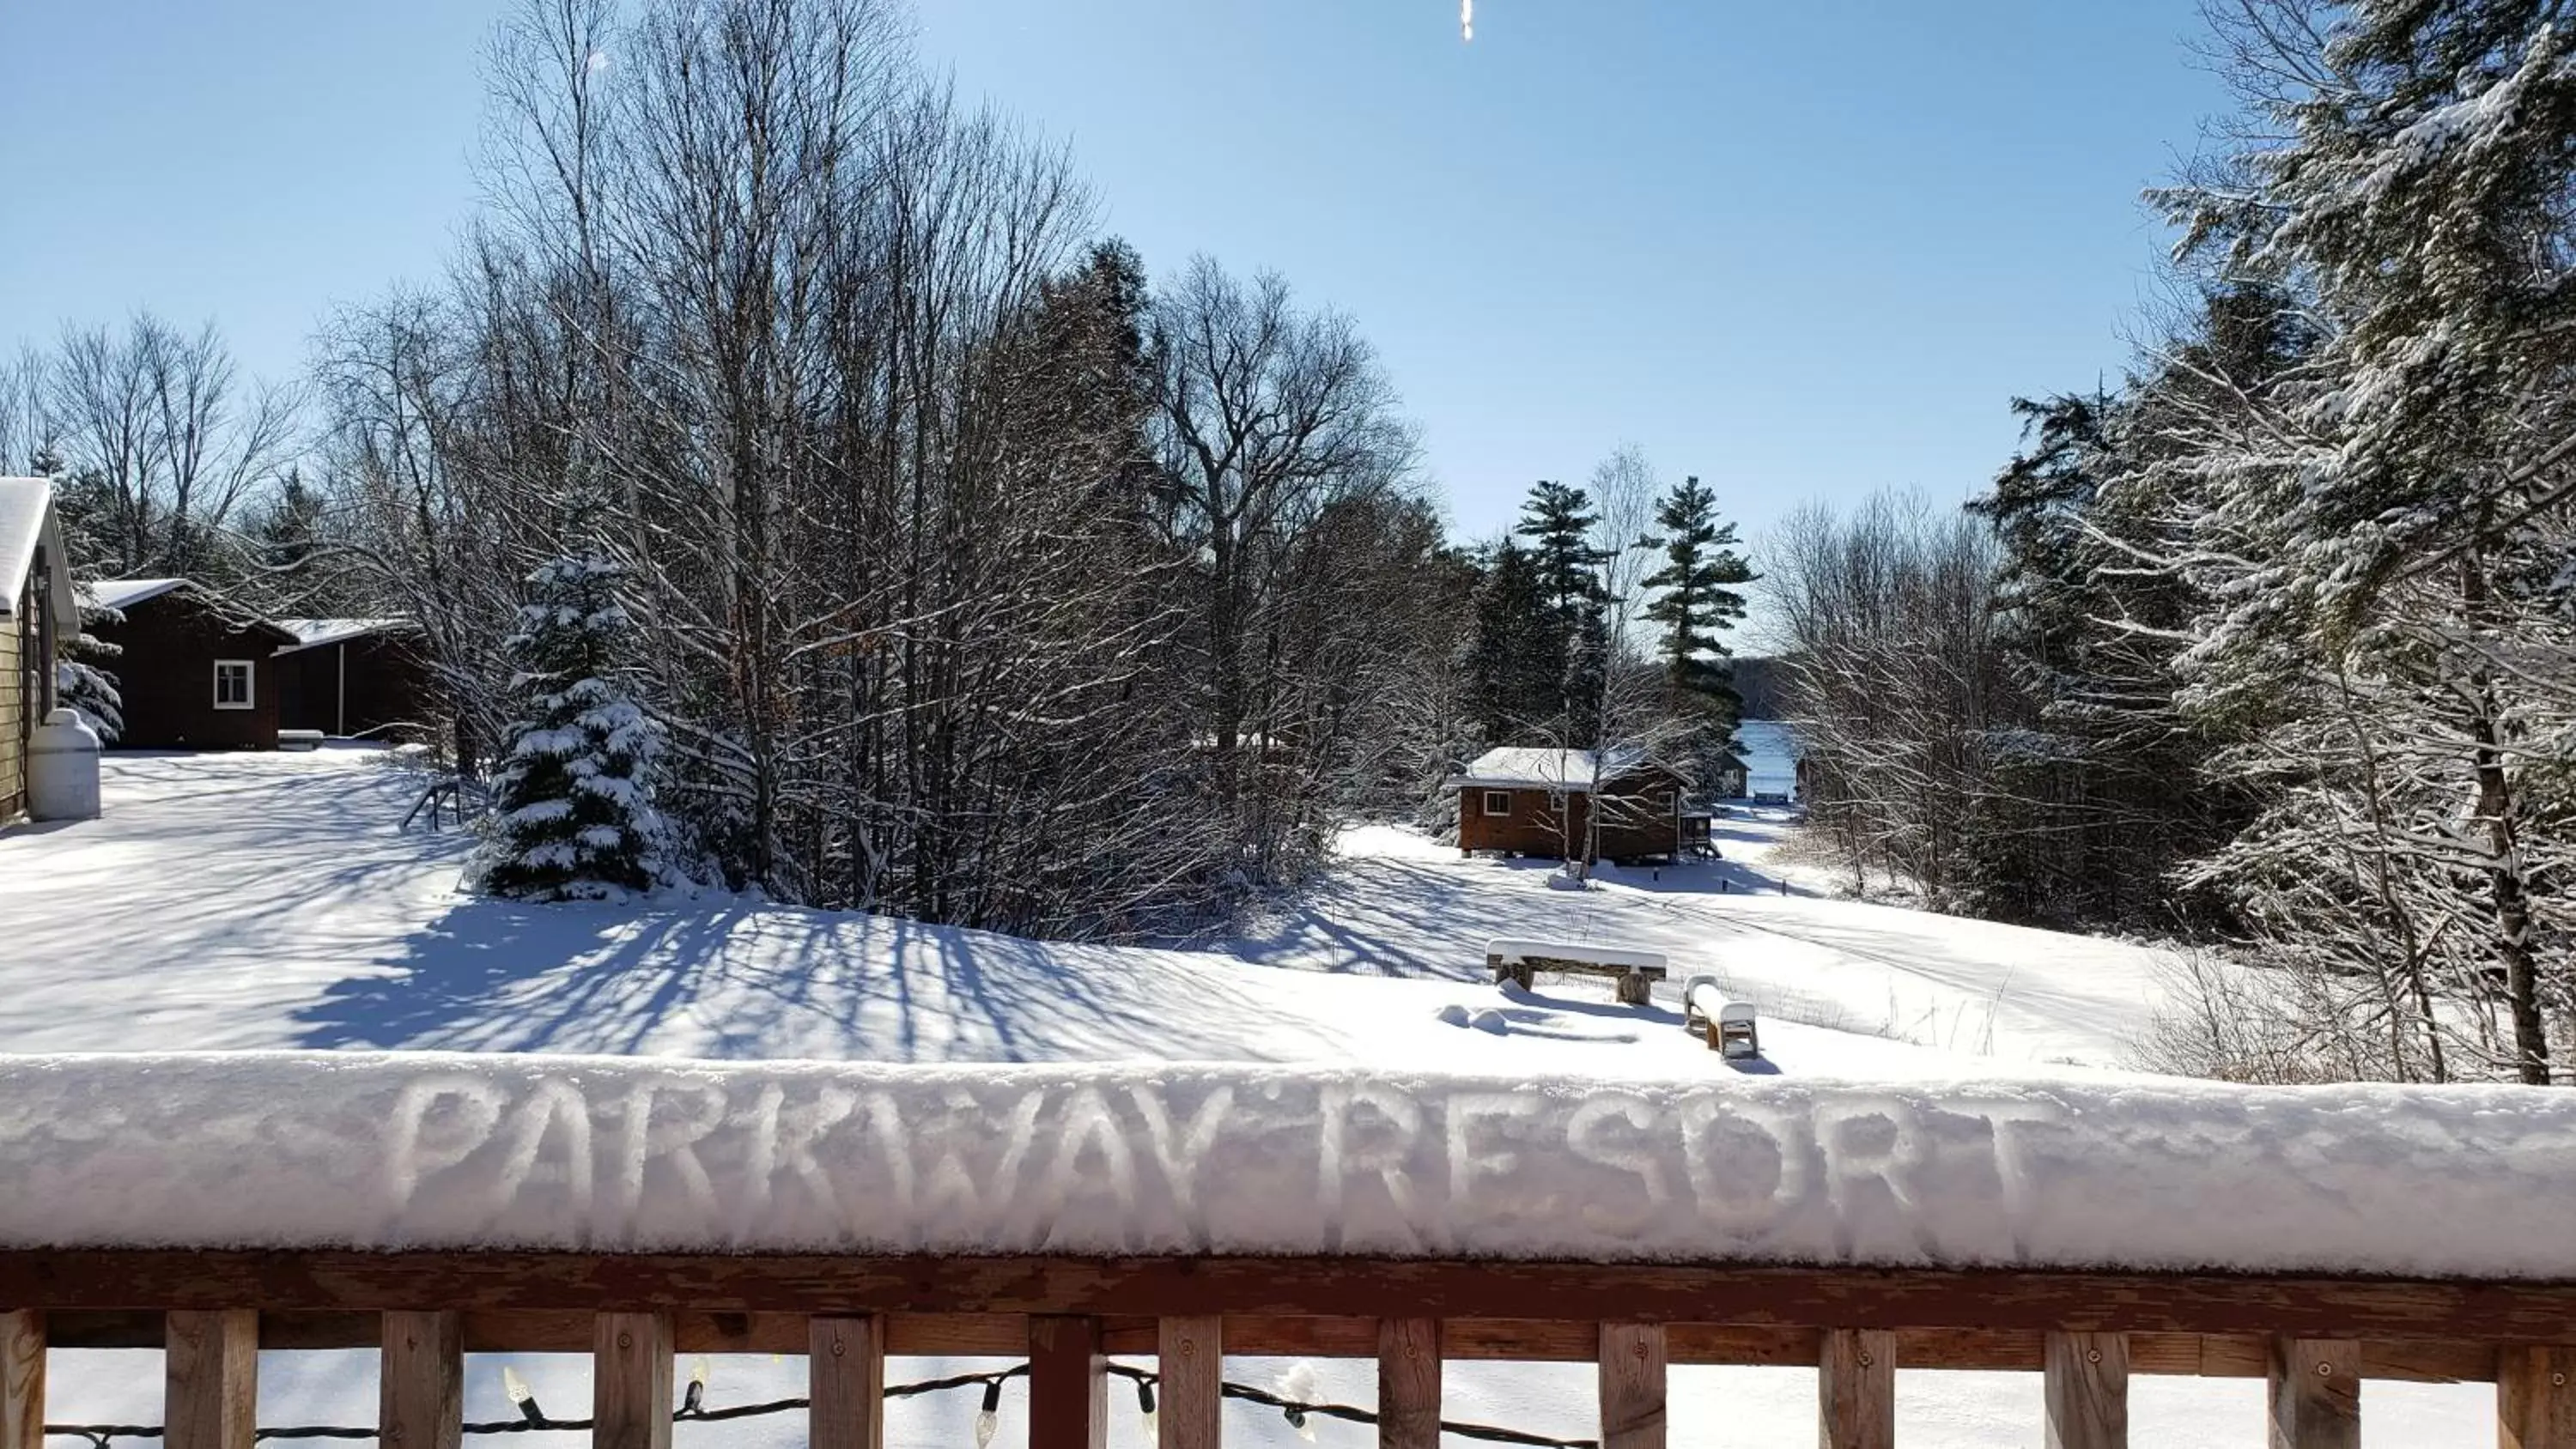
(634, 1208)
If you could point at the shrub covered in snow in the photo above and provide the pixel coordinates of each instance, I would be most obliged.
(573, 813)
(82, 685)
(91, 692)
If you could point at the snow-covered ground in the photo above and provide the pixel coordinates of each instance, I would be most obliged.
(2006, 996)
(234, 901)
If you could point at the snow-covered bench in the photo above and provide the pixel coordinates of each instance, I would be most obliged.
(1729, 1025)
(299, 739)
(1636, 972)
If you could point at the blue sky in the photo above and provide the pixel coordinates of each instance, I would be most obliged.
(1802, 248)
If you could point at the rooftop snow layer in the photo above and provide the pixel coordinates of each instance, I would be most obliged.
(606, 1153)
(1519, 768)
(125, 593)
(26, 522)
(314, 633)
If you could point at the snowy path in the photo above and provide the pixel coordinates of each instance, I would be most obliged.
(234, 901)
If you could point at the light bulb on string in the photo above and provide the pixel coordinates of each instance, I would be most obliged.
(520, 1394)
(695, 1400)
(988, 1419)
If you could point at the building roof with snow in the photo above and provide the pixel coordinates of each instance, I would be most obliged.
(125, 593)
(1516, 768)
(27, 527)
(314, 633)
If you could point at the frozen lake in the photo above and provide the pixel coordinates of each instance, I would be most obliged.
(1770, 756)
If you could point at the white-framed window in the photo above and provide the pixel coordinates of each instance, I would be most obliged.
(233, 684)
(1498, 802)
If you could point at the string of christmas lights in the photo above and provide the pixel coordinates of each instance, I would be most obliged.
(1300, 1413)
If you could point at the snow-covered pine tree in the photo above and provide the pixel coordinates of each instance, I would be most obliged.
(1559, 521)
(2401, 525)
(1696, 601)
(573, 810)
(1515, 657)
(81, 685)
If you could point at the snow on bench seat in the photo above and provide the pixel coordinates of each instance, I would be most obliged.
(1521, 961)
(319, 1150)
(1512, 951)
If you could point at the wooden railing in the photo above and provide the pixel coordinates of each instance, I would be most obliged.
(2314, 1339)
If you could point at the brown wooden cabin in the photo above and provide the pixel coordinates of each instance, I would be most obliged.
(36, 605)
(1538, 802)
(196, 672)
(352, 679)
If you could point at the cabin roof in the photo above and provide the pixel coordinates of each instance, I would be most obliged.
(27, 523)
(1519, 768)
(314, 633)
(125, 593)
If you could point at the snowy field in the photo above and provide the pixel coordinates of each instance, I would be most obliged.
(248, 901)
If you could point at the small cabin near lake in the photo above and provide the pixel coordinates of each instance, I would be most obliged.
(1539, 802)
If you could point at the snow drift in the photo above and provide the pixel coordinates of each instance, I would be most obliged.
(440, 1151)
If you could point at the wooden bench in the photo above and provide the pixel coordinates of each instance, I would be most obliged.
(1636, 972)
(1729, 1026)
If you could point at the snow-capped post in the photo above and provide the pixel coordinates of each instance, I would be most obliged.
(573, 812)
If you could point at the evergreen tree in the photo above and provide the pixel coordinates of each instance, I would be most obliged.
(1516, 658)
(1695, 601)
(81, 685)
(1559, 520)
(2387, 539)
(573, 798)
(1697, 598)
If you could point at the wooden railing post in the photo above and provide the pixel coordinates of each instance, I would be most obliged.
(210, 1396)
(1408, 1383)
(1856, 1379)
(2316, 1393)
(22, 1379)
(1193, 1374)
(1068, 1383)
(2087, 1390)
(845, 1374)
(420, 1385)
(1632, 1386)
(630, 1381)
(2536, 1398)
